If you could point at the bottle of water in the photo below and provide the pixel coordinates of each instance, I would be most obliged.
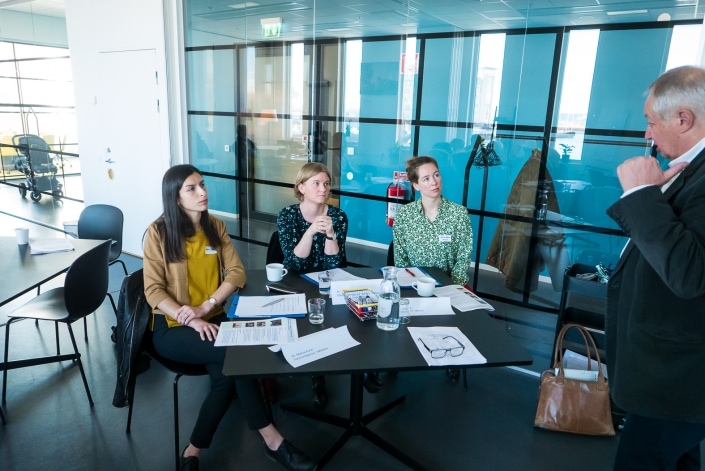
(389, 294)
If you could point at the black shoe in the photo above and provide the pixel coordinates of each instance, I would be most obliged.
(372, 383)
(453, 374)
(320, 396)
(189, 463)
(290, 457)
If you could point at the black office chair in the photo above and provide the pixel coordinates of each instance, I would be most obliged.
(83, 292)
(274, 249)
(102, 222)
(390, 254)
(179, 370)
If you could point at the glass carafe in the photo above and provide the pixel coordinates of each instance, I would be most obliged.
(389, 294)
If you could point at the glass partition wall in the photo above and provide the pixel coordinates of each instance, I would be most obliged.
(38, 137)
(528, 124)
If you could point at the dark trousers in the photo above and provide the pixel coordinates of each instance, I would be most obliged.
(184, 344)
(657, 444)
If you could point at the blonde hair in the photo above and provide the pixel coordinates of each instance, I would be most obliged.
(309, 170)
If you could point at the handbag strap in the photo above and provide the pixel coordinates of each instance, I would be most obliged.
(589, 342)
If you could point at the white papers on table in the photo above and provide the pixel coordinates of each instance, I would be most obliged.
(319, 345)
(406, 276)
(40, 246)
(440, 337)
(257, 332)
(267, 306)
(430, 306)
(336, 287)
(335, 274)
(461, 298)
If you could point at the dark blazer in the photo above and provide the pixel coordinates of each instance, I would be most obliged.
(655, 322)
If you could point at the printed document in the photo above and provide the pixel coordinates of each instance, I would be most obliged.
(40, 246)
(257, 332)
(461, 298)
(445, 339)
(270, 306)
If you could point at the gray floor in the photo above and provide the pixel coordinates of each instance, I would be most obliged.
(51, 426)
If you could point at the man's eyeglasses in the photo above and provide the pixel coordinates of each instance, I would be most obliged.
(442, 352)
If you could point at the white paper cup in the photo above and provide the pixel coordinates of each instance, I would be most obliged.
(424, 286)
(276, 271)
(22, 234)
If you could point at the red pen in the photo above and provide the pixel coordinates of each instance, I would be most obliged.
(409, 272)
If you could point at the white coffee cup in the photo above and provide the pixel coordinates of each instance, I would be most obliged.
(424, 286)
(22, 234)
(276, 271)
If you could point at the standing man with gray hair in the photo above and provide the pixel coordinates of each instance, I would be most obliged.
(655, 321)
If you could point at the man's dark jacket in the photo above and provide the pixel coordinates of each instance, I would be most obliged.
(655, 323)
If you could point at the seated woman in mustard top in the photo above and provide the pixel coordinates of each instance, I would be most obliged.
(185, 252)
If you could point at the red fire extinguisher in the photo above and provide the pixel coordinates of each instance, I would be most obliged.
(397, 191)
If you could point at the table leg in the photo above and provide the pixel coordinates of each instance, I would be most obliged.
(356, 424)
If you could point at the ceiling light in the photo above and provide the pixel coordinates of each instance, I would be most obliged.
(240, 6)
(627, 12)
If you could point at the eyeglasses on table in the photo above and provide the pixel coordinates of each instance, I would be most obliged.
(442, 352)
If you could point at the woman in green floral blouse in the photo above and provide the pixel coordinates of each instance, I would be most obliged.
(432, 231)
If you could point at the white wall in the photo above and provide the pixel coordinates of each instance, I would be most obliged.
(97, 31)
(40, 30)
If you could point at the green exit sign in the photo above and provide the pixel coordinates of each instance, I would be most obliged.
(272, 30)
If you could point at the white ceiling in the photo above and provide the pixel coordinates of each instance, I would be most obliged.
(364, 18)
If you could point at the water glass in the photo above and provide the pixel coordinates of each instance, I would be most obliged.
(324, 284)
(404, 311)
(316, 309)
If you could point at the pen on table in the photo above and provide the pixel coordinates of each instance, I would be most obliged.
(273, 302)
(410, 272)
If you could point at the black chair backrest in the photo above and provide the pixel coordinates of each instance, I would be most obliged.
(102, 221)
(390, 254)
(87, 281)
(274, 249)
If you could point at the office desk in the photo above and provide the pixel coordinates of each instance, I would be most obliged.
(378, 351)
(24, 271)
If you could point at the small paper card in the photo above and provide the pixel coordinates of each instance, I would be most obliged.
(315, 347)
(430, 307)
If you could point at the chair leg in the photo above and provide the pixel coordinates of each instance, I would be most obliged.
(176, 422)
(2, 416)
(85, 329)
(131, 400)
(124, 268)
(4, 370)
(80, 365)
(112, 301)
(56, 334)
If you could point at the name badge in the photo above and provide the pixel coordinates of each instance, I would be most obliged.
(444, 238)
(210, 250)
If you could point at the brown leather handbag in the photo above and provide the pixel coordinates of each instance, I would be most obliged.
(572, 405)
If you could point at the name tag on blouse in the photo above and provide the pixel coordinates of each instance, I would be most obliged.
(444, 238)
(210, 250)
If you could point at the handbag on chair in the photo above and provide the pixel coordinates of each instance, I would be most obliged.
(573, 405)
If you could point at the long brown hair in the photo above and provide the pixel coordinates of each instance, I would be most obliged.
(174, 225)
